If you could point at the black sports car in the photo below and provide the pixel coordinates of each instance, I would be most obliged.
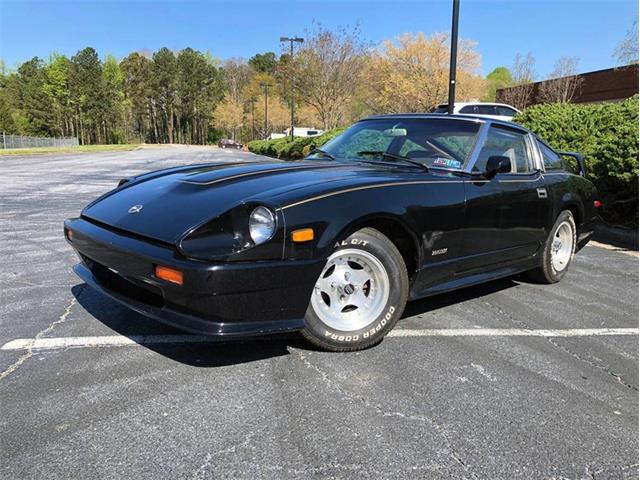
(396, 208)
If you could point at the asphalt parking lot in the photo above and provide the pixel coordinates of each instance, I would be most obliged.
(453, 404)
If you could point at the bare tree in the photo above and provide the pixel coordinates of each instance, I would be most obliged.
(237, 74)
(563, 83)
(325, 72)
(523, 73)
(627, 50)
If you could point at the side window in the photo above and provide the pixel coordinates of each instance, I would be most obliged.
(553, 161)
(506, 111)
(486, 109)
(505, 143)
(469, 109)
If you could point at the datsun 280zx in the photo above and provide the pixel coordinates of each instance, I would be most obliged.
(396, 208)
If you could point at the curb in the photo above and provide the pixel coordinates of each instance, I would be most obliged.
(619, 237)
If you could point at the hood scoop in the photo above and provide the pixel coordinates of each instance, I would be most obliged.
(246, 171)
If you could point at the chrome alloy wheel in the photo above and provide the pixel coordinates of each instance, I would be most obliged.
(352, 290)
(562, 246)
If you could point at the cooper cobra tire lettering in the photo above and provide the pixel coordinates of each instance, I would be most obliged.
(367, 334)
(341, 338)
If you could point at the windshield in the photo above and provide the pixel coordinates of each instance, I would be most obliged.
(434, 143)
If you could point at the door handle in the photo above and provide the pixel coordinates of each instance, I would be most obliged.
(542, 192)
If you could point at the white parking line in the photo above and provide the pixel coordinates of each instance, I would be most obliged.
(133, 340)
(606, 246)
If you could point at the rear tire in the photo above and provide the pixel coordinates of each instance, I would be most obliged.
(360, 294)
(558, 252)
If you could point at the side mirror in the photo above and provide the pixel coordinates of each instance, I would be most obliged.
(497, 164)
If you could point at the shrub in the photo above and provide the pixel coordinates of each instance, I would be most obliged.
(607, 135)
(287, 149)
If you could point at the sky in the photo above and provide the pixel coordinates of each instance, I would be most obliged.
(587, 29)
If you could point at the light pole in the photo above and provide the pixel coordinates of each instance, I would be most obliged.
(291, 41)
(253, 119)
(266, 96)
(454, 55)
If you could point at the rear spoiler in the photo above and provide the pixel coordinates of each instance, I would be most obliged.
(582, 166)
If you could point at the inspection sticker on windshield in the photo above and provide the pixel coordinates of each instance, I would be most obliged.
(447, 162)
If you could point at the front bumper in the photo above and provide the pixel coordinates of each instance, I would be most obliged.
(230, 298)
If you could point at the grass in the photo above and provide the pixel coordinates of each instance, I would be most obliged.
(79, 149)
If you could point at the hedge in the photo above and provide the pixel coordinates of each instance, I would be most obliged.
(607, 135)
(298, 148)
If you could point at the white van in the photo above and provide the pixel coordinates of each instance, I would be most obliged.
(304, 132)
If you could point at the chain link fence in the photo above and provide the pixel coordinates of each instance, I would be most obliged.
(21, 141)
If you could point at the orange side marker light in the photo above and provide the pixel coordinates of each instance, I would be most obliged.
(169, 274)
(302, 235)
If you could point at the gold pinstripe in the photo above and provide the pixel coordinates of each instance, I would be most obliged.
(392, 184)
(367, 187)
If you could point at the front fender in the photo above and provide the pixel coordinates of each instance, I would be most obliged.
(431, 213)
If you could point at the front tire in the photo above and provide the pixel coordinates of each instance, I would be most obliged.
(360, 294)
(558, 252)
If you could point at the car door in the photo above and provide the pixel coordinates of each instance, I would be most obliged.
(505, 214)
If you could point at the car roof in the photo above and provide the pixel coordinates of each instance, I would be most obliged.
(464, 104)
(446, 116)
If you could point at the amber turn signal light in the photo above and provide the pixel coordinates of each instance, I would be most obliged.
(302, 235)
(169, 274)
(69, 234)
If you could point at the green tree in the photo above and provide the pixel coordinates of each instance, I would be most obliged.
(499, 77)
(164, 75)
(264, 62)
(113, 124)
(138, 97)
(199, 88)
(56, 87)
(87, 91)
(32, 98)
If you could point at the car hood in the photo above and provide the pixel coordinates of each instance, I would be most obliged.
(168, 204)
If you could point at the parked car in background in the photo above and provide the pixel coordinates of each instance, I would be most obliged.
(396, 208)
(228, 143)
(497, 111)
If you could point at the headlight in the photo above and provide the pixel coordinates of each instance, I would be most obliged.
(262, 224)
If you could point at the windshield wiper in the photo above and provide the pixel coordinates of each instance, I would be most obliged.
(326, 154)
(395, 157)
